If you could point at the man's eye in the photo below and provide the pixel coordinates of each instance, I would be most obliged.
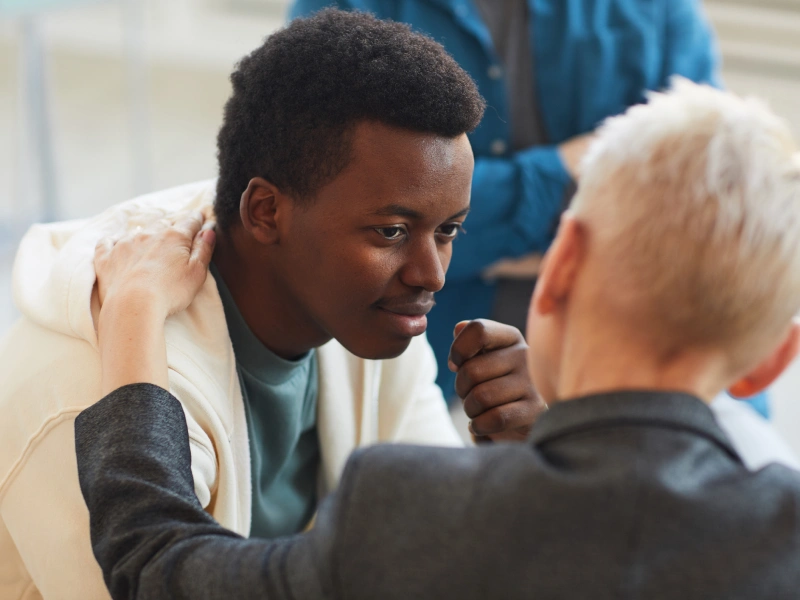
(451, 230)
(391, 233)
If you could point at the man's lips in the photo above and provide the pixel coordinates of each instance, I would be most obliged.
(416, 309)
(407, 319)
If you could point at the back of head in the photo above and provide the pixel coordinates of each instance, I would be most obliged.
(693, 201)
(297, 98)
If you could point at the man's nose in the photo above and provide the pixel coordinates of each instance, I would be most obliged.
(424, 267)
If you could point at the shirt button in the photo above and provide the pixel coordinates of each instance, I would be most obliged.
(495, 72)
(498, 147)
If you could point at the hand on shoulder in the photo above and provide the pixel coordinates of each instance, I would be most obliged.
(162, 266)
(143, 278)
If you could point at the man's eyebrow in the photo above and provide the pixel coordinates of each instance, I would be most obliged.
(397, 210)
(460, 213)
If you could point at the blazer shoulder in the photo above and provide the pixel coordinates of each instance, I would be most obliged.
(386, 472)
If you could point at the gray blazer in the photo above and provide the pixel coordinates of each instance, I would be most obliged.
(619, 496)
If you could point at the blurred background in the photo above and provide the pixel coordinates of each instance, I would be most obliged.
(102, 100)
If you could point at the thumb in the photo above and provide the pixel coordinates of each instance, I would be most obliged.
(460, 327)
(203, 247)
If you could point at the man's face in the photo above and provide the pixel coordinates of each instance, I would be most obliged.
(366, 255)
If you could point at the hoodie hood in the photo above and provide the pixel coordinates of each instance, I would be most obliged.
(54, 278)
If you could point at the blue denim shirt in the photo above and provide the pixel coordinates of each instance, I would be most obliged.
(593, 60)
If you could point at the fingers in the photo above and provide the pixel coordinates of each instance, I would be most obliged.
(516, 417)
(479, 336)
(495, 392)
(203, 248)
(103, 247)
(485, 367)
(190, 224)
(503, 409)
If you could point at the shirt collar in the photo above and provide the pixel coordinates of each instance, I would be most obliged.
(659, 409)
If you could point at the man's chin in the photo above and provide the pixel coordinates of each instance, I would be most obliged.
(377, 348)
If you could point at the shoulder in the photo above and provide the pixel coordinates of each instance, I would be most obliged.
(395, 500)
(776, 486)
(754, 438)
(384, 475)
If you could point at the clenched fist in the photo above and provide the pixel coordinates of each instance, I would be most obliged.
(492, 380)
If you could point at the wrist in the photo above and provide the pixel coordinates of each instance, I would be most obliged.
(130, 335)
(139, 306)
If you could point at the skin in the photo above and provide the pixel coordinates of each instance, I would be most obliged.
(360, 262)
(580, 345)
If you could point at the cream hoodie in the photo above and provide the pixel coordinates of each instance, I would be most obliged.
(50, 371)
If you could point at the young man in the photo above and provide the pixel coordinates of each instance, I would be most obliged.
(675, 275)
(345, 174)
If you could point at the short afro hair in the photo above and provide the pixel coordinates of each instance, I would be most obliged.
(297, 98)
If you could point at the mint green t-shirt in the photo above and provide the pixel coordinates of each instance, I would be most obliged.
(280, 399)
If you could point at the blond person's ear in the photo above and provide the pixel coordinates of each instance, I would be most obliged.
(759, 378)
(560, 266)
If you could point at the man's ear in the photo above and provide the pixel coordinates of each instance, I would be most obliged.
(259, 210)
(560, 266)
(769, 369)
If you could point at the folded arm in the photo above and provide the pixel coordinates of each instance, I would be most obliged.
(515, 206)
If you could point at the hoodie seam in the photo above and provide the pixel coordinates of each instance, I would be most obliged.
(33, 442)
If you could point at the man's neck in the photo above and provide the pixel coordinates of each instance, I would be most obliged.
(610, 361)
(273, 315)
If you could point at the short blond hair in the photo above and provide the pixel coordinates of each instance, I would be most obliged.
(695, 200)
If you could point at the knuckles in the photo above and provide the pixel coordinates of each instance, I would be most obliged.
(469, 375)
(491, 422)
(481, 398)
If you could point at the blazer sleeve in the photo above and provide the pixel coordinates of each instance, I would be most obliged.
(149, 532)
(516, 202)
